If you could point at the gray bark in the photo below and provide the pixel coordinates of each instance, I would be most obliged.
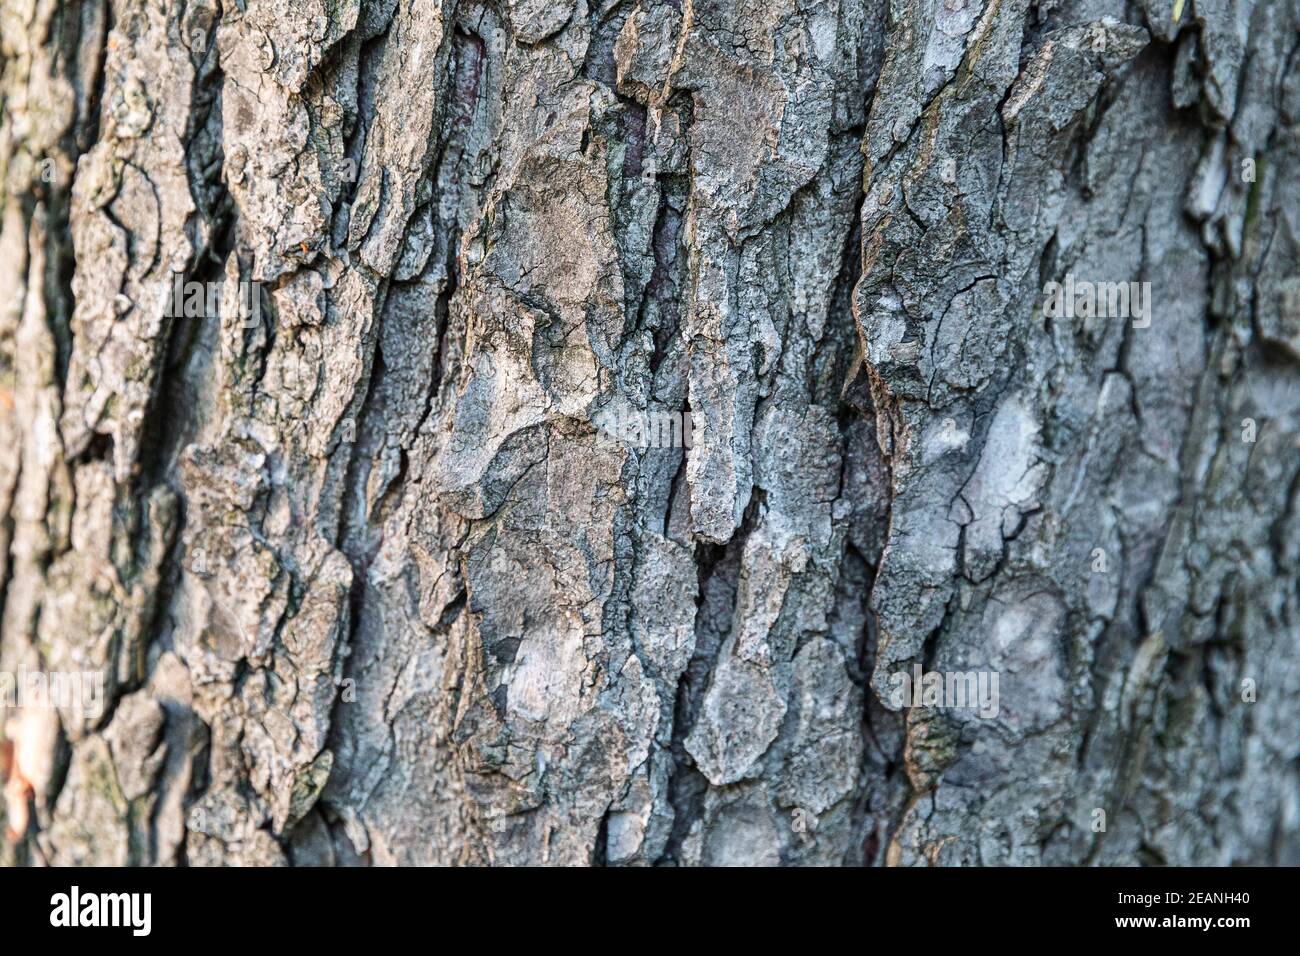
(370, 582)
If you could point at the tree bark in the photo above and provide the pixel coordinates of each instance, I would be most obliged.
(369, 574)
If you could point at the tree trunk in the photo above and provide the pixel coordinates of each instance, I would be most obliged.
(349, 357)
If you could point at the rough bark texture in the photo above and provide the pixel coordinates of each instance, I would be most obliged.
(368, 583)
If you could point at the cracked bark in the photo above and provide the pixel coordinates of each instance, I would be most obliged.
(369, 585)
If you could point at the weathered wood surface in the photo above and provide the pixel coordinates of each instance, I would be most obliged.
(369, 582)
